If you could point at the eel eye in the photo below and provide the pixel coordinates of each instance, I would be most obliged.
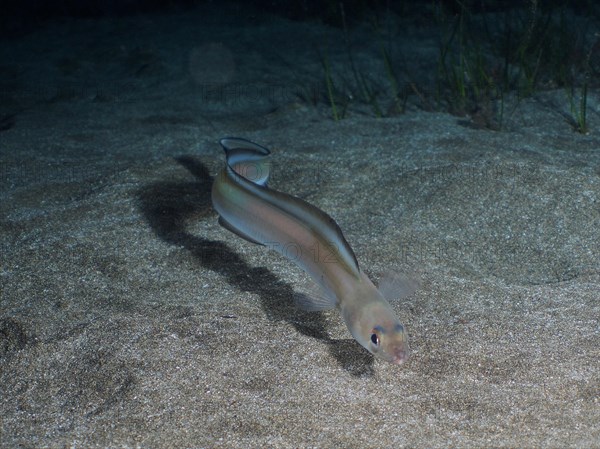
(375, 339)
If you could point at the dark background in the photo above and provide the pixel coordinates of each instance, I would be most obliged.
(22, 16)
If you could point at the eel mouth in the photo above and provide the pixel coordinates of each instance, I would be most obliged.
(400, 356)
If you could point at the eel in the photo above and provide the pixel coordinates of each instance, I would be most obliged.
(310, 238)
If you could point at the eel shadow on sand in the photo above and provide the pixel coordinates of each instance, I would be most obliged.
(169, 206)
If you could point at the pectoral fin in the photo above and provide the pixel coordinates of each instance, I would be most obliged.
(394, 285)
(314, 299)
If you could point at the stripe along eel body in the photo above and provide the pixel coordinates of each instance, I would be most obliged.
(310, 238)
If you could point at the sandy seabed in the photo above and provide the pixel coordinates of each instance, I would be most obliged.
(129, 318)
